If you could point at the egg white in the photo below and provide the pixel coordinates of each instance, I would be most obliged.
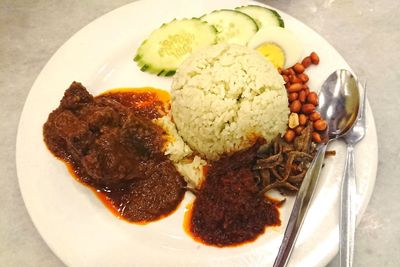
(285, 39)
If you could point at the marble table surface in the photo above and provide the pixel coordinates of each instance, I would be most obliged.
(365, 32)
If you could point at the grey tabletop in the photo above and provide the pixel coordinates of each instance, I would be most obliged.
(365, 32)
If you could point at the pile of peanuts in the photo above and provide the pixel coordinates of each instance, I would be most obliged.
(302, 102)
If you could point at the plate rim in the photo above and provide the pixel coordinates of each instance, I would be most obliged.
(372, 126)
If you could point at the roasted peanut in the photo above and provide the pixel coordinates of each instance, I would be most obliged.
(307, 90)
(286, 71)
(306, 62)
(303, 77)
(295, 79)
(298, 68)
(303, 119)
(295, 106)
(289, 136)
(312, 98)
(285, 78)
(320, 125)
(315, 116)
(308, 108)
(295, 87)
(293, 96)
(314, 58)
(302, 100)
(302, 96)
(293, 120)
(316, 137)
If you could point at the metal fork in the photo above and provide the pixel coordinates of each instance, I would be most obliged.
(348, 211)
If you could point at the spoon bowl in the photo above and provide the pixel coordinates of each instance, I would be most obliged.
(338, 104)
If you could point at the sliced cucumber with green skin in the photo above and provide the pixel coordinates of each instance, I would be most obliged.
(169, 45)
(233, 26)
(263, 16)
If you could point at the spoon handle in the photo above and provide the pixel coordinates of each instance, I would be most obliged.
(347, 223)
(300, 208)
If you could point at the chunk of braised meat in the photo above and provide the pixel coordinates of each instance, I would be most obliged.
(108, 160)
(120, 153)
(75, 97)
(66, 134)
(104, 136)
(98, 117)
(143, 136)
(113, 146)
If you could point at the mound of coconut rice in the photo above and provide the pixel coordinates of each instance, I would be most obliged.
(224, 97)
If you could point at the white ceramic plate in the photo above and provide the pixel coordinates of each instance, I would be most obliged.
(76, 225)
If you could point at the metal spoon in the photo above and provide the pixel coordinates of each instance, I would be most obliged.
(338, 104)
(347, 223)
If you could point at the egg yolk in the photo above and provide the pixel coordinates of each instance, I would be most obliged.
(273, 52)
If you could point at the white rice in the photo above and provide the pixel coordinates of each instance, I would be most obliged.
(176, 148)
(225, 96)
(188, 165)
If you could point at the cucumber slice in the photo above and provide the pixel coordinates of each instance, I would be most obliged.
(263, 16)
(233, 26)
(169, 45)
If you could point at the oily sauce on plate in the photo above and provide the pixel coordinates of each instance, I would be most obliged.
(113, 147)
(110, 144)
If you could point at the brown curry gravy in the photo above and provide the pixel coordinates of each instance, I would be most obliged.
(227, 211)
(74, 133)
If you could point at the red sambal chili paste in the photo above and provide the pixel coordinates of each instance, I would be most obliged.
(110, 144)
(229, 209)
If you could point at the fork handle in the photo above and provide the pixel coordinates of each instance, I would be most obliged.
(347, 223)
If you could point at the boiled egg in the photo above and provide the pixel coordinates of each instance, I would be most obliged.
(277, 44)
